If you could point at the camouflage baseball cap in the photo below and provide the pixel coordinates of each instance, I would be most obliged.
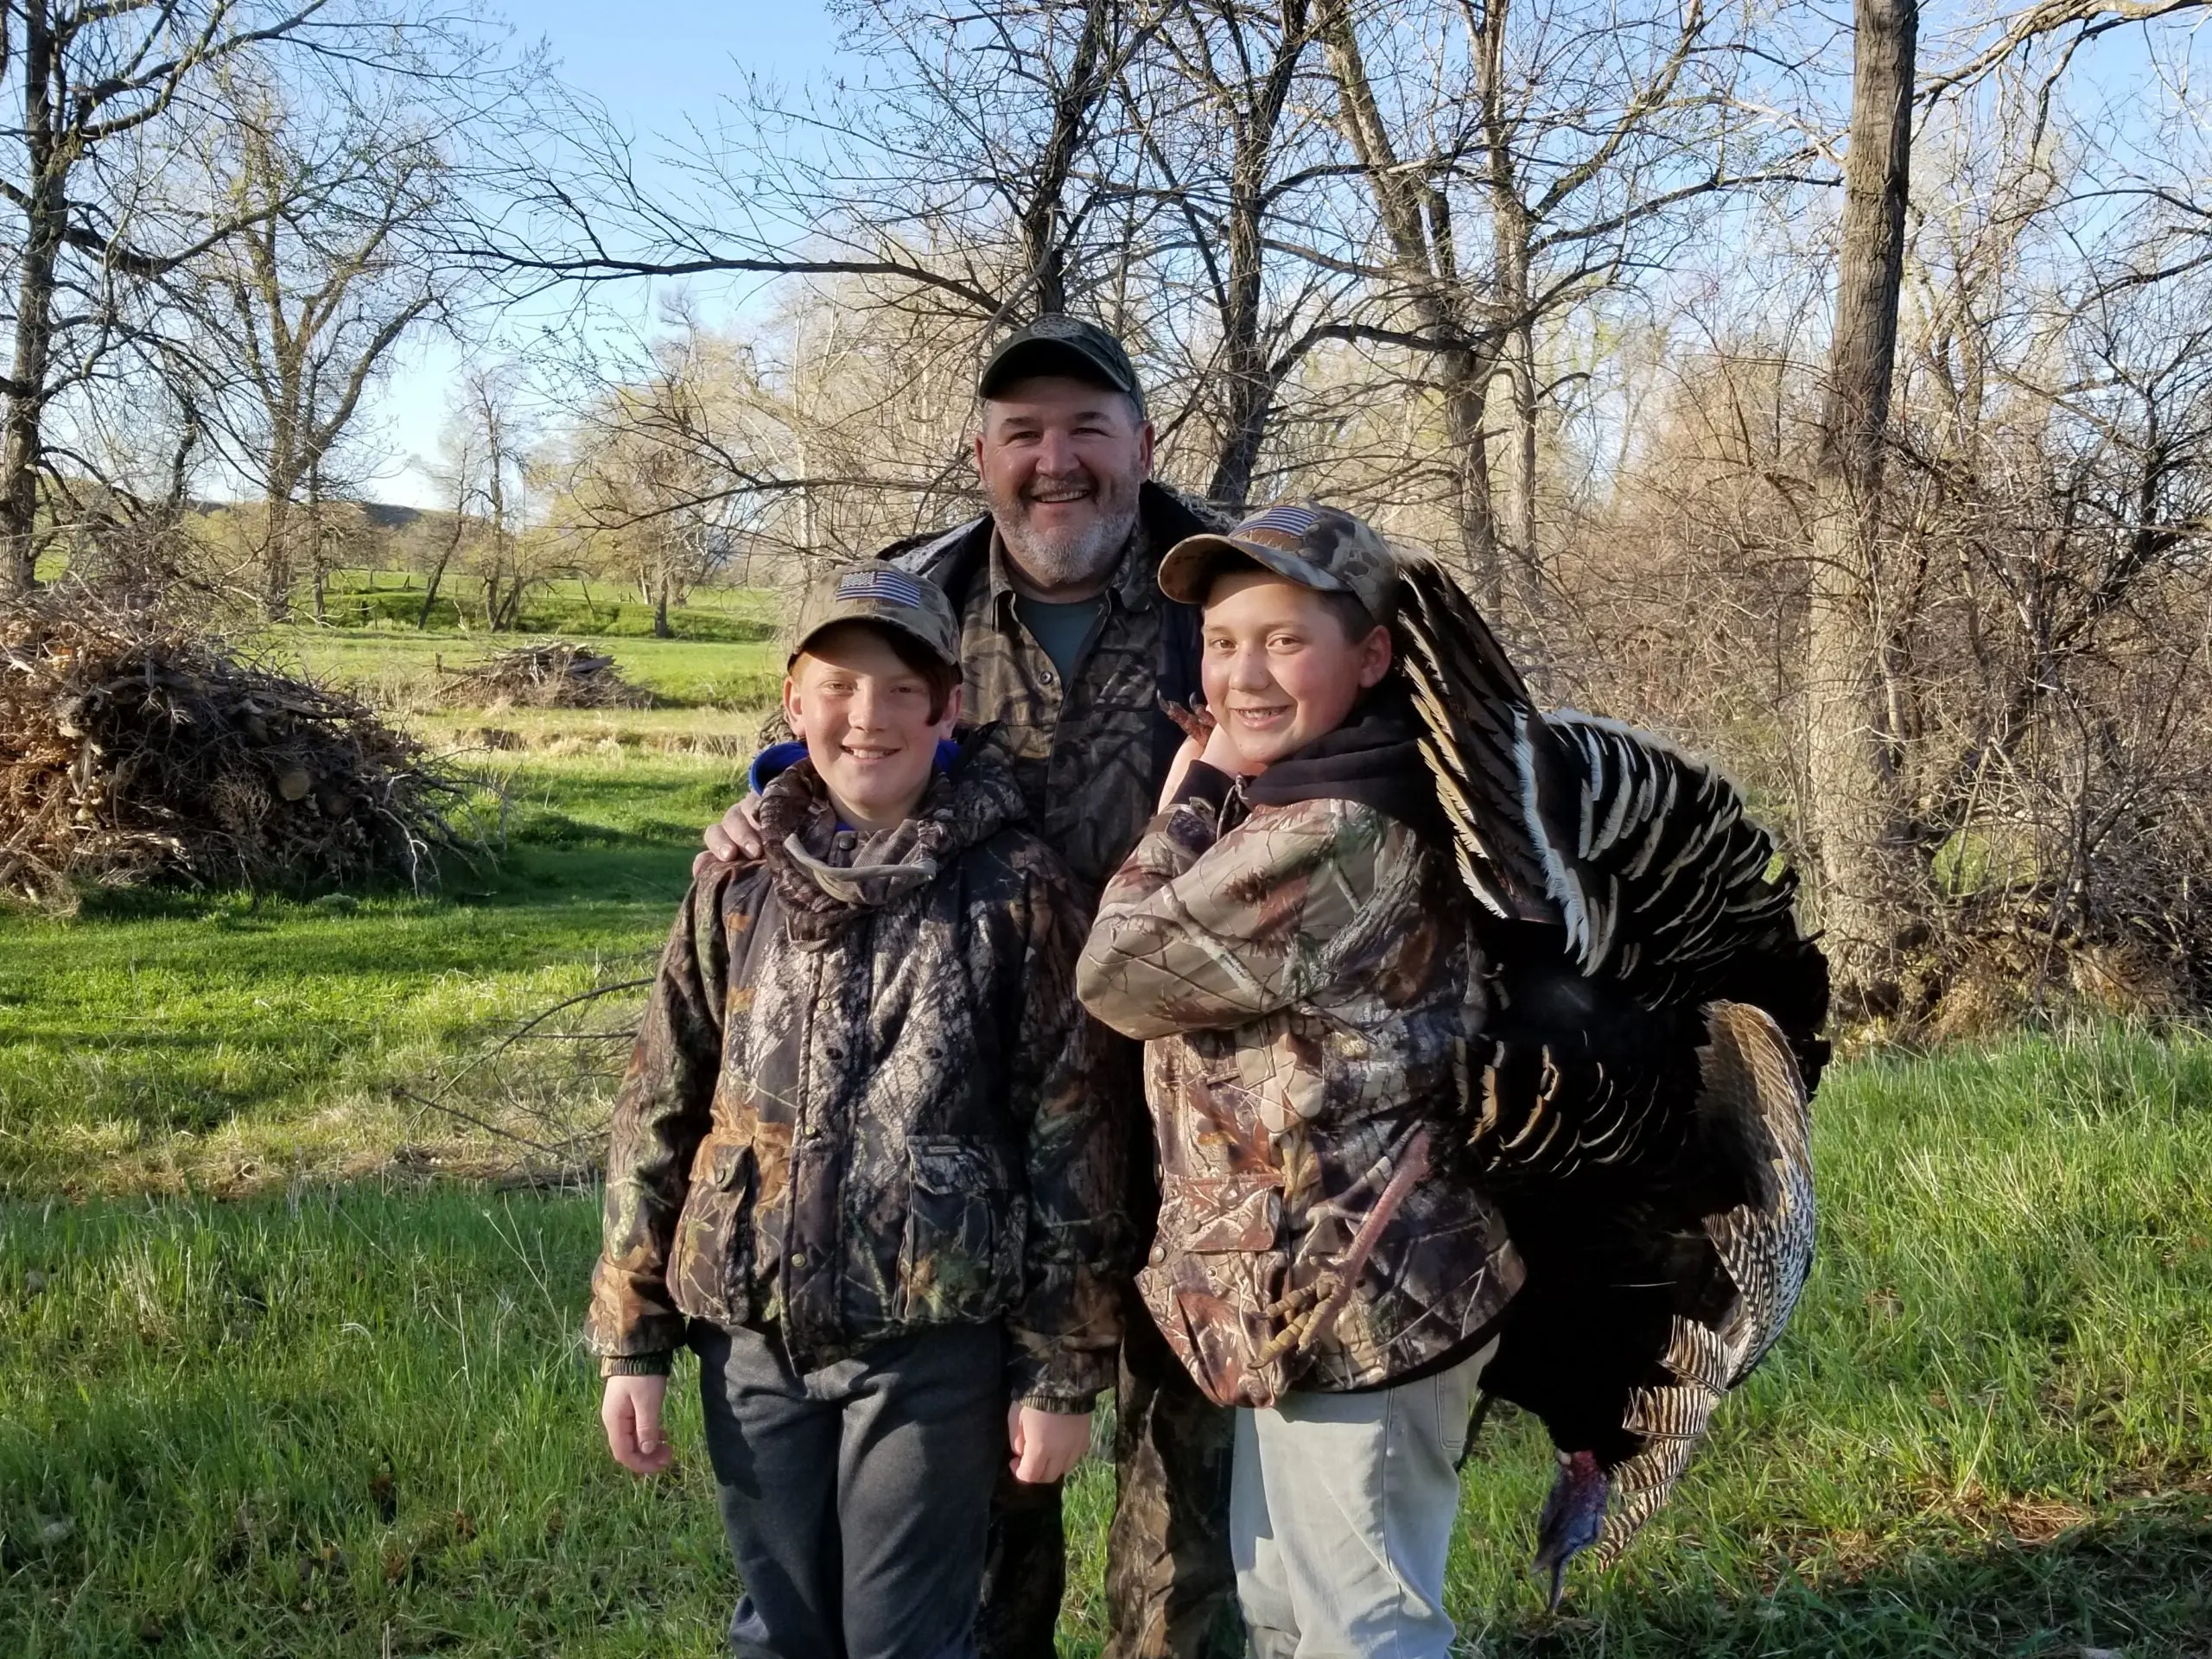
(1322, 547)
(872, 591)
(1058, 345)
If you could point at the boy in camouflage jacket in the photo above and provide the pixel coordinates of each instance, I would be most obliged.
(1289, 940)
(859, 1163)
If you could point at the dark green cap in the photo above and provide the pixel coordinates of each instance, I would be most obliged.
(1058, 345)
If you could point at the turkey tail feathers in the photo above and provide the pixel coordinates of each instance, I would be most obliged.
(1753, 1108)
(1480, 725)
(1641, 852)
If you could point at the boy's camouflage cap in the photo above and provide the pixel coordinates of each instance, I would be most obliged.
(1322, 547)
(872, 591)
(1058, 345)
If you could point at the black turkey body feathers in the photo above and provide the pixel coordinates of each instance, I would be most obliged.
(1637, 1092)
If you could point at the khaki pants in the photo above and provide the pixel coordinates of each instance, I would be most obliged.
(1340, 1517)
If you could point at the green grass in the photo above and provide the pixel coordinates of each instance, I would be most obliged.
(393, 600)
(1987, 1434)
(403, 668)
(159, 1040)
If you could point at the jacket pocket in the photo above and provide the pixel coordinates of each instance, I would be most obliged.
(1214, 1280)
(1212, 1214)
(962, 1255)
(710, 1266)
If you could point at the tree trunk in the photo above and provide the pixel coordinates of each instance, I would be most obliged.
(1249, 388)
(661, 628)
(1511, 234)
(20, 448)
(438, 572)
(1466, 381)
(277, 558)
(315, 549)
(1856, 803)
(1249, 396)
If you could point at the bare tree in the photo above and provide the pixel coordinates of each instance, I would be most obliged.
(484, 472)
(105, 93)
(1519, 162)
(331, 266)
(1851, 760)
(1236, 145)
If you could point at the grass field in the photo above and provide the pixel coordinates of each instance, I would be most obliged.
(269, 1387)
(294, 1424)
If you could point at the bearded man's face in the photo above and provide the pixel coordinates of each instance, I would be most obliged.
(1061, 462)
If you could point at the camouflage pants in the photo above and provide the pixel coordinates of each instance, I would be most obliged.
(1171, 1588)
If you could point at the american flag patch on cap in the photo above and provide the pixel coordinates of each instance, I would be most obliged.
(894, 587)
(1291, 521)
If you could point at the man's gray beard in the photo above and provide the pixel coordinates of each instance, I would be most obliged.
(1049, 563)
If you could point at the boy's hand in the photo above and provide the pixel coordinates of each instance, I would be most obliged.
(1046, 1443)
(1221, 753)
(630, 1409)
(736, 840)
(1179, 768)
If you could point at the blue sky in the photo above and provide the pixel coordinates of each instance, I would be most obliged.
(653, 66)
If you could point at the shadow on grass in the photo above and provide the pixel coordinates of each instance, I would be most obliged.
(2136, 1581)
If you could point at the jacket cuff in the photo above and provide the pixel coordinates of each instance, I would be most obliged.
(657, 1364)
(1204, 782)
(1068, 1402)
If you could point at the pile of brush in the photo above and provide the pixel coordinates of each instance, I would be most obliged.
(133, 749)
(555, 675)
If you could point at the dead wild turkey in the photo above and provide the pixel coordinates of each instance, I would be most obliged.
(1640, 1083)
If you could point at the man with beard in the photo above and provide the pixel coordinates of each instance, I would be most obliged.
(1069, 647)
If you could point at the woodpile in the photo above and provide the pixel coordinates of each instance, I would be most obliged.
(554, 675)
(133, 750)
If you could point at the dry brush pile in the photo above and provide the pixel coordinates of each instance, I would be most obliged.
(134, 749)
(554, 675)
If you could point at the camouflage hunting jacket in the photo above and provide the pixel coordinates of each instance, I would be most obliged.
(1306, 983)
(1089, 754)
(863, 1102)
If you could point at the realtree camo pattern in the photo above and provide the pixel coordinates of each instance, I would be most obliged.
(1306, 984)
(1171, 1581)
(863, 1115)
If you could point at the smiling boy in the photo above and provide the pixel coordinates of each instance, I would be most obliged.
(859, 1164)
(1290, 939)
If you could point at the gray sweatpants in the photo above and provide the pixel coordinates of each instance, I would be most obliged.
(854, 1496)
(1340, 1517)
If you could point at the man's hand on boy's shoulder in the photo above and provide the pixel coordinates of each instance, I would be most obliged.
(734, 840)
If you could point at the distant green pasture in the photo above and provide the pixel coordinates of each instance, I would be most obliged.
(403, 668)
(393, 600)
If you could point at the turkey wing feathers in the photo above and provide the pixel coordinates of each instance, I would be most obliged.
(1754, 1124)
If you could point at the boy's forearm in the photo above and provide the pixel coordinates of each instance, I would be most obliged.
(1067, 1329)
(660, 1116)
(1204, 933)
